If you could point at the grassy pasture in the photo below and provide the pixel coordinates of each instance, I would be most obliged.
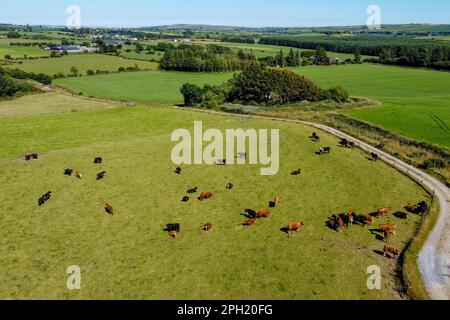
(47, 103)
(156, 87)
(129, 256)
(83, 62)
(415, 101)
(21, 51)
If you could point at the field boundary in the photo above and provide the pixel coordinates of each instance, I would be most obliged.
(435, 253)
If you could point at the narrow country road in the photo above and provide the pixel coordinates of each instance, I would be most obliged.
(434, 258)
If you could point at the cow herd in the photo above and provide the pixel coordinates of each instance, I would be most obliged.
(335, 222)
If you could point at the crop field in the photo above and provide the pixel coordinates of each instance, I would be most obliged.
(20, 51)
(129, 256)
(415, 101)
(153, 87)
(83, 62)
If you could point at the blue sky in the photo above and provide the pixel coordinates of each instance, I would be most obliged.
(254, 13)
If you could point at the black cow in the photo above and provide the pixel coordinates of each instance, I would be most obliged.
(101, 175)
(346, 144)
(230, 186)
(178, 170)
(44, 198)
(324, 150)
(98, 160)
(68, 172)
(315, 137)
(185, 199)
(375, 156)
(193, 190)
(296, 172)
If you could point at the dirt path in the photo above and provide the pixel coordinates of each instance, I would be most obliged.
(434, 258)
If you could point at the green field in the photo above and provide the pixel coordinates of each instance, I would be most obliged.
(128, 256)
(415, 101)
(21, 51)
(83, 62)
(47, 103)
(155, 87)
(262, 50)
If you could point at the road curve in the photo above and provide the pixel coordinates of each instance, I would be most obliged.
(434, 258)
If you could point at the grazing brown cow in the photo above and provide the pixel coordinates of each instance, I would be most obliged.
(78, 175)
(391, 250)
(207, 227)
(368, 219)
(410, 208)
(388, 227)
(205, 196)
(384, 211)
(249, 222)
(173, 234)
(109, 209)
(276, 201)
(263, 214)
(350, 218)
(340, 224)
(295, 226)
(331, 223)
(387, 235)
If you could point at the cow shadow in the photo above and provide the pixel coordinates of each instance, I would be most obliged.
(272, 204)
(379, 238)
(249, 214)
(370, 159)
(379, 252)
(285, 230)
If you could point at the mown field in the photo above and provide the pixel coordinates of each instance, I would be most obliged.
(415, 101)
(128, 256)
(47, 103)
(156, 87)
(83, 62)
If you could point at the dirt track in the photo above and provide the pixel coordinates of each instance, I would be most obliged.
(434, 258)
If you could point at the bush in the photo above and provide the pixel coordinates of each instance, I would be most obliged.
(338, 94)
(433, 163)
(90, 72)
(192, 94)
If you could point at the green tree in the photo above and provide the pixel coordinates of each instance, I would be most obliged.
(13, 35)
(357, 56)
(321, 56)
(192, 94)
(74, 71)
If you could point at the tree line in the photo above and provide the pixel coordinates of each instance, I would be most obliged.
(390, 49)
(211, 58)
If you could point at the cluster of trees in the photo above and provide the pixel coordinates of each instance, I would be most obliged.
(390, 49)
(10, 87)
(437, 57)
(236, 39)
(23, 75)
(260, 85)
(292, 59)
(212, 58)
